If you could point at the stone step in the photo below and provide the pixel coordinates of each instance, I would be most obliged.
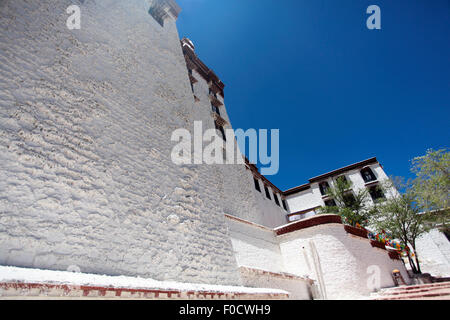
(435, 291)
(441, 295)
(412, 289)
(417, 286)
(405, 293)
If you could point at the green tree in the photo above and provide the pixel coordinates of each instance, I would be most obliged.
(401, 216)
(351, 206)
(431, 187)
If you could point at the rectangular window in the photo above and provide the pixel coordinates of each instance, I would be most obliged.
(330, 203)
(349, 199)
(342, 178)
(376, 193)
(323, 186)
(192, 84)
(267, 192)
(221, 130)
(257, 187)
(285, 205)
(215, 109)
(158, 13)
(367, 175)
(276, 199)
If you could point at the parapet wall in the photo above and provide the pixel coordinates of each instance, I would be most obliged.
(340, 259)
(347, 265)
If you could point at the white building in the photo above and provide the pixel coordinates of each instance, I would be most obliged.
(303, 202)
(87, 180)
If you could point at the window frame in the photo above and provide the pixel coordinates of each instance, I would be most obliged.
(323, 191)
(328, 200)
(276, 199)
(266, 189)
(257, 186)
(370, 172)
(285, 205)
(378, 190)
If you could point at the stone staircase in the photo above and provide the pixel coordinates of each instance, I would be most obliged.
(429, 291)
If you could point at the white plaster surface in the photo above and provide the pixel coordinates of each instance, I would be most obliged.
(298, 289)
(255, 247)
(343, 259)
(86, 178)
(269, 213)
(434, 253)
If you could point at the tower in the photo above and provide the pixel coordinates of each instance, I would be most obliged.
(86, 118)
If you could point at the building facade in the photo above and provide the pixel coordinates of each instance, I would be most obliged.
(304, 200)
(86, 176)
(86, 120)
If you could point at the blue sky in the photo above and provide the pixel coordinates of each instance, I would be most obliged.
(338, 92)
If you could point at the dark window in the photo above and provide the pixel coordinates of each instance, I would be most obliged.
(276, 199)
(257, 187)
(349, 199)
(284, 205)
(367, 175)
(376, 193)
(192, 85)
(267, 192)
(330, 203)
(215, 109)
(158, 12)
(342, 178)
(323, 186)
(222, 131)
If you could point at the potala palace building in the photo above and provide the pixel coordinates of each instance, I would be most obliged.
(87, 182)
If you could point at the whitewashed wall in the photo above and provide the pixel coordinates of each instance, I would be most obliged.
(343, 260)
(269, 213)
(299, 289)
(306, 199)
(434, 253)
(86, 177)
(255, 246)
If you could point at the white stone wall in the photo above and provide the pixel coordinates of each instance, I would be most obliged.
(434, 253)
(299, 289)
(235, 195)
(269, 213)
(342, 264)
(306, 199)
(433, 248)
(255, 246)
(343, 260)
(86, 178)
